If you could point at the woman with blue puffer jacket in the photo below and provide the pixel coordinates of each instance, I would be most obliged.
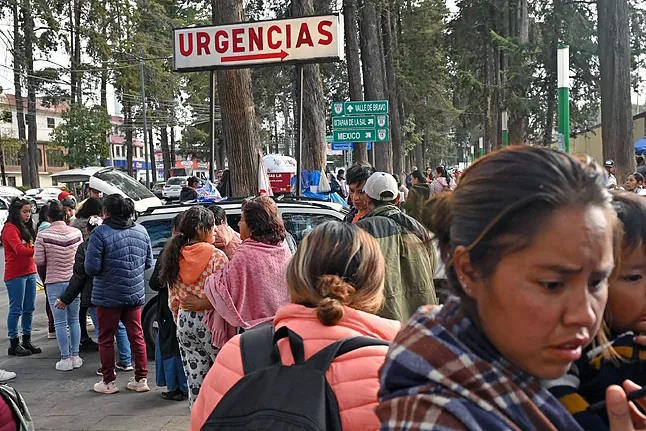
(118, 253)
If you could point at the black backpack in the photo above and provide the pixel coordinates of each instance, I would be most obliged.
(274, 397)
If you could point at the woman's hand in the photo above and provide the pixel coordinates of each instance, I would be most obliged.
(195, 303)
(223, 236)
(60, 304)
(623, 415)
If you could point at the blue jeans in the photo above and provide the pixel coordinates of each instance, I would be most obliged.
(63, 319)
(22, 301)
(169, 371)
(123, 345)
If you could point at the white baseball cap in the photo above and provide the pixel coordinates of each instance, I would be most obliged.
(381, 187)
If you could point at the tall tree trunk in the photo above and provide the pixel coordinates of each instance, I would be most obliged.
(18, 59)
(151, 154)
(77, 49)
(32, 138)
(360, 153)
(373, 76)
(165, 151)
(314, 154)
(238, 114)
(614, 62)
(518, 117)
(393, 95)
(127, 109)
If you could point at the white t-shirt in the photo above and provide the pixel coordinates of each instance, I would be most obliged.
(611, 182)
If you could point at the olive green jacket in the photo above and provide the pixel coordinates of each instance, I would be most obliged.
(410, 260)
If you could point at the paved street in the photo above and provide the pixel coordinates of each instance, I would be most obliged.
(64, 400)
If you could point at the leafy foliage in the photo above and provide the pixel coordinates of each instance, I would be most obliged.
(83, 133)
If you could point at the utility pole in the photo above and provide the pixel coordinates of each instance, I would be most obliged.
(505, 128)
(213, 89)
(143, 109)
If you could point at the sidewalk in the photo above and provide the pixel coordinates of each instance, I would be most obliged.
(65, 400)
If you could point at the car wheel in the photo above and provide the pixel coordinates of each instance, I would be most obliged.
(149, 323)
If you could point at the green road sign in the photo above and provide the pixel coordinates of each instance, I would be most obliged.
(365, 135)
(360, 108)
(346, 123)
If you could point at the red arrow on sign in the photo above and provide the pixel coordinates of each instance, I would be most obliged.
(250, 57)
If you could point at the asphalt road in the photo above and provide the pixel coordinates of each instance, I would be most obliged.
(65, 400)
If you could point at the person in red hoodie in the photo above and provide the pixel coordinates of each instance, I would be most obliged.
(18, 237)
(336, 285)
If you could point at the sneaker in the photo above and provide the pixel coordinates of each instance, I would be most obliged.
(89, 323)
(106, 388)
(65, 365)
(77, 361)
(122, 367)
(98, 372)
(6, 375)
(138, 386)
(88, 346)
(51, 335)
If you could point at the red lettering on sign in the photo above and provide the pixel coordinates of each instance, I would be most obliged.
(288, 31)
(270, 37)
(323, 31)
(221, 41)
(255, 38)
(203, 43)
(304, 36)
(236, 34)
(185, 38)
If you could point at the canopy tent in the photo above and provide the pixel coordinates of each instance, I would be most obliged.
(640, 146)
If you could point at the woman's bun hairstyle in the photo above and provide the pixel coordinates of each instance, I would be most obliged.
(335, 292)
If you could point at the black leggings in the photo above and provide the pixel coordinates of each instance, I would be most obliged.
(83, 323)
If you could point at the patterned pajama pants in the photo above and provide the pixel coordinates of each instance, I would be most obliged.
(198, 354)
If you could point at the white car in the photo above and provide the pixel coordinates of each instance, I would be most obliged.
(4, 212)
(173, 187)
(44, 195)
(110, 181)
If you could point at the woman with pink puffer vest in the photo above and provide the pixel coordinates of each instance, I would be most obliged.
(335, 281)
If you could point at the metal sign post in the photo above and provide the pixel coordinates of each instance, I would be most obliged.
(299, 145)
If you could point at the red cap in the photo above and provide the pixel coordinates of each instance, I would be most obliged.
(62, 195)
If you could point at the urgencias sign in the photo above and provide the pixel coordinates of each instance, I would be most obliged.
(303, 39)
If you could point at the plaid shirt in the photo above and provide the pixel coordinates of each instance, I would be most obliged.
(442, 373)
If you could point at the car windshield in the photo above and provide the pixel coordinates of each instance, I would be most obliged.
(126, 184)
(176, 181)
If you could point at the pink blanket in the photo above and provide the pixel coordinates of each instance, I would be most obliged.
(251, 288)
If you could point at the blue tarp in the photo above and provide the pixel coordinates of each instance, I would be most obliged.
(313, 178)
(640, 146)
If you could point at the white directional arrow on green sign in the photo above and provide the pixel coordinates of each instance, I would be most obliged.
(367, 107)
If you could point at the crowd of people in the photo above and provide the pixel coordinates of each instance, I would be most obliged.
(545, 327)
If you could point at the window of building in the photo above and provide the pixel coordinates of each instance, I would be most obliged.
(118, 149)
(55, 158)
(50, 123)
(40, 157)
(11, 156)
(11, 181)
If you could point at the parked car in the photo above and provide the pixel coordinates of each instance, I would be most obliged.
(173, 187)
(108, 181)
(157, 189)
(44, 195)
(4, 212)
(9, 192)
(300, 215)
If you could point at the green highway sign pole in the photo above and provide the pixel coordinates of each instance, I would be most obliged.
(563, 68)
(481, 146)
(505, 128)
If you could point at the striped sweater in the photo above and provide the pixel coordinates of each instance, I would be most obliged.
(55, 248)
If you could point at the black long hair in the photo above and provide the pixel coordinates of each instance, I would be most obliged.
(195, 221)
(91, 207)
(118, 207)
(27, 232)
(43, 213)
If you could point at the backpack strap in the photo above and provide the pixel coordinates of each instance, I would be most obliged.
(257, 348)
(322, 360)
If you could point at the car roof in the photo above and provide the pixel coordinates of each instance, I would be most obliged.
(229, 204)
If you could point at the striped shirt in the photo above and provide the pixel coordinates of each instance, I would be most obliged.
(55, 248)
